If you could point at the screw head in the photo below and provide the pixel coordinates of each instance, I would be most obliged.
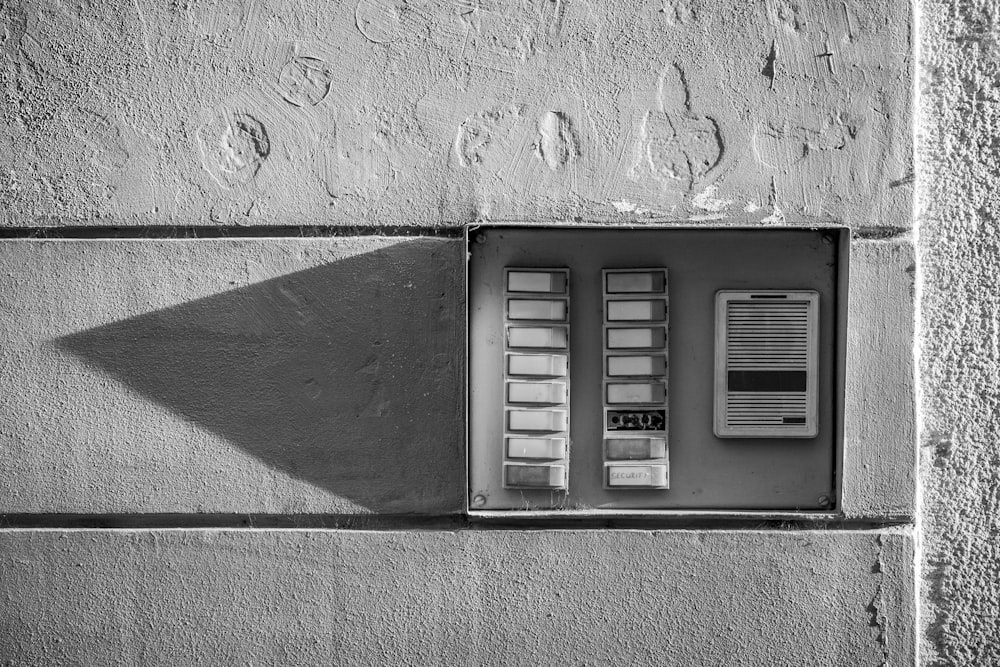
(825, 502)
(479, 238)
(479, 500)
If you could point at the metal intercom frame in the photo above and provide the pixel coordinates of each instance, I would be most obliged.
(826, 508)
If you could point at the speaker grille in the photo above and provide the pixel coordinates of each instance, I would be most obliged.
(767, 336)
(766, 365)
(764, 408)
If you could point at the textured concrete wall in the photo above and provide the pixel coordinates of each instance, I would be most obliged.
(465, 598)
(193, 377)
(225, 375)
(387, 112)
(960, 253)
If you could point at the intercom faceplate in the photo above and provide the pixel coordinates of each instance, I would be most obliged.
(594, 376)
(765, 364)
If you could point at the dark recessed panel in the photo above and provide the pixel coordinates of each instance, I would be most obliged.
(617, 331)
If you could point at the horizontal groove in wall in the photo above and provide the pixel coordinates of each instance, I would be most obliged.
(415, 522)
(183, 520)
(304, 231)
(222, 231)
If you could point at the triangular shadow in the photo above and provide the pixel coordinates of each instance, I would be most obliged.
(347, 375)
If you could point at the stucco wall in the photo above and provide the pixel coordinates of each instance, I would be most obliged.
(390, 113)
(166, 383)
(960, 369)
(493, 597)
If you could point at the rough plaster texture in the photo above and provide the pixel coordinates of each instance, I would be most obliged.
(274, 376)
(322, 375)
(880, 440)
(466, 598)
(960, 350)
(432, 112)
(237, 376)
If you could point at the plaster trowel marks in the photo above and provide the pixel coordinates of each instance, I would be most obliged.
(557, 141)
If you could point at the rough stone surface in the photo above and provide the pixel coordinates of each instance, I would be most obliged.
(433, 113)
(960, 347)
(465, 598)
(277, 375)
(880, 439)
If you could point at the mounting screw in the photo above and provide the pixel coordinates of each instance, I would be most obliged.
(825, 502)
(479, 238)
(479, 500)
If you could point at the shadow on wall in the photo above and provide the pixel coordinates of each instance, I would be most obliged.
(346, 375)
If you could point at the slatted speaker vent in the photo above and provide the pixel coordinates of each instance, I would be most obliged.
(766, 364)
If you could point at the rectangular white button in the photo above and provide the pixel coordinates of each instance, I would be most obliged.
(646, 392)
(536, 281)
(622, 449)
(536, 309)
(536, 420)
(536, 448)
(548, 337)
(549, 365)
(638, 365)
(651, 476)
(536, 392)
(634, 311)
(645, 281)
(535, 476)
(620, 339)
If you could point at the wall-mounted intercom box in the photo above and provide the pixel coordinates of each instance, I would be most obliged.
(664, 370)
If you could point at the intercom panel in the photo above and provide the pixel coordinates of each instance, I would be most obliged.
(655, 369)
(765, 364)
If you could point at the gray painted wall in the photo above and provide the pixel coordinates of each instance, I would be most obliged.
(491, 597)
(192, 378)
